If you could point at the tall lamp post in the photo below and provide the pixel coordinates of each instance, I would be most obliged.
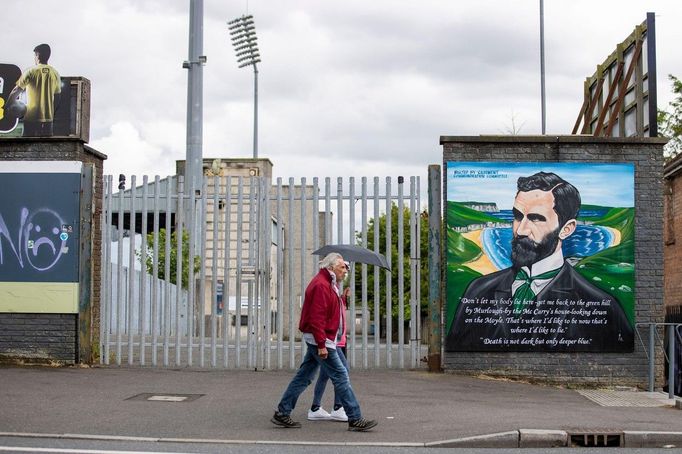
(542, 64)
(195, 88)
(243, 32)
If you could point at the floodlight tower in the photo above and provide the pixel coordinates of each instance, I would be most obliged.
(243, 32)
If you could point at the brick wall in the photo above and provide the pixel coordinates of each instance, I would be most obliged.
(38, 337)
(580, 368)
(673, 232)
(83, 327)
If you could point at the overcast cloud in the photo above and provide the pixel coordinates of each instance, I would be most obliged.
(346, 88)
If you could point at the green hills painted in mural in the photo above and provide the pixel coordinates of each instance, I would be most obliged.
(460, 215)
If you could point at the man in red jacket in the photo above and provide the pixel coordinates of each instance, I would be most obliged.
(321, 327)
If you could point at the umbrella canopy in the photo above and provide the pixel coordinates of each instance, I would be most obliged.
(354, 253)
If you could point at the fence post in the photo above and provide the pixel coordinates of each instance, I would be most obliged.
(671, 361)
(87, 336)
(652, 352)
(435, 281)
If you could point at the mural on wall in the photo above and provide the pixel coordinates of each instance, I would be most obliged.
(540, 257)
(39, 236)
(35, 102)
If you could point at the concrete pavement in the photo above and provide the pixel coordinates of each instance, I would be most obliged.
(414, 408)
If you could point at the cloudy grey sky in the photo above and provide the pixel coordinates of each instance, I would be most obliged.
(358, 88)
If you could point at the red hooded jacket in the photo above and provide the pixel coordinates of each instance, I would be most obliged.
(321, 312)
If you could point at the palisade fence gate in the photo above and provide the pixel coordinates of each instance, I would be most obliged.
(237, 303)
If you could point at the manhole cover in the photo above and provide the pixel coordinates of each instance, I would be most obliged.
(165, 397)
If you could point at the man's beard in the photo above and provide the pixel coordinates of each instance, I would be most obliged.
(526, 252)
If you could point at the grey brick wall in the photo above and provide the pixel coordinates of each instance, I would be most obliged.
(580, 368)
(38, 337)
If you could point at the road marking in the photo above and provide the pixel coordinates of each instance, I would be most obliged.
(79, 451)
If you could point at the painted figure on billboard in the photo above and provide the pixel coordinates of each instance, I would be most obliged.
(41, 83)
(9, 74)
(539, 302)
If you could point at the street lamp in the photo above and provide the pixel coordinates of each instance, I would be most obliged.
(243, 33)
(542, 65)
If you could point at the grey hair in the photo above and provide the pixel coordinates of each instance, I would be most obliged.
(330, 260)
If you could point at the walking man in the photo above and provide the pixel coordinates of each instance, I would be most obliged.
(321, 325)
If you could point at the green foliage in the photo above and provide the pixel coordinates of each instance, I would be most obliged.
(407, 290)
(670, 121)
(161, 274)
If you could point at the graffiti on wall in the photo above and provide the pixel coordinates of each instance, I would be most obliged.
(39, 227)
(41, 239)
(540, 257)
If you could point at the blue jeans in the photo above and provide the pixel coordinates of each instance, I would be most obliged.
(321, 383)
(304, 377)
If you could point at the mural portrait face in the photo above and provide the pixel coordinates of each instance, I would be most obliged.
(535, 227)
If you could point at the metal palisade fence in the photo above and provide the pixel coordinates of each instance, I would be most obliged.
(216, 277)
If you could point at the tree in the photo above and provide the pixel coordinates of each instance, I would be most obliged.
(161, 274)
(515, 128)
(423, 265)
(670, 121)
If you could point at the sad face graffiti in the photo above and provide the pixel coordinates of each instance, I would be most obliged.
(45, 238)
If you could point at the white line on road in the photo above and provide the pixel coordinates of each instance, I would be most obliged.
(79, 451)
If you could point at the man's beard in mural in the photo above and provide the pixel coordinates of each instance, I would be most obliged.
(525, 251)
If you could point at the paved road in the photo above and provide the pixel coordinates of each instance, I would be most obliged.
(413, 408)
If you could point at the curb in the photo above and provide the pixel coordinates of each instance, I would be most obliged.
(534, 438)
(522, 438)
(496, 440)
(649, 439)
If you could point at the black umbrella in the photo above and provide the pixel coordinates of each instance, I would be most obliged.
(354, 253)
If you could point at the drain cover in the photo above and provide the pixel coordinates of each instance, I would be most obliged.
(594, 440)
(165, 397)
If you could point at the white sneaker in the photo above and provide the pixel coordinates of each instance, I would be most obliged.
(339, 415)
(319, 415)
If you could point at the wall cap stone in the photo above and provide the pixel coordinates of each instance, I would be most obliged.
(484, 139)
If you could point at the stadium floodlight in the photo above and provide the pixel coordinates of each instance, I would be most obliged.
(245, 43)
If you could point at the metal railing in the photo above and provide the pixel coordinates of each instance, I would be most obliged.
(674, 332)
(253, 239)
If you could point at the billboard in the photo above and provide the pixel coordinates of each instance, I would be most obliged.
(540, 257)
(620, 97)
(39, 236)
(38, 102)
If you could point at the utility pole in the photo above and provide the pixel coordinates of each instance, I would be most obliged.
(195, 88)
(542, 63)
